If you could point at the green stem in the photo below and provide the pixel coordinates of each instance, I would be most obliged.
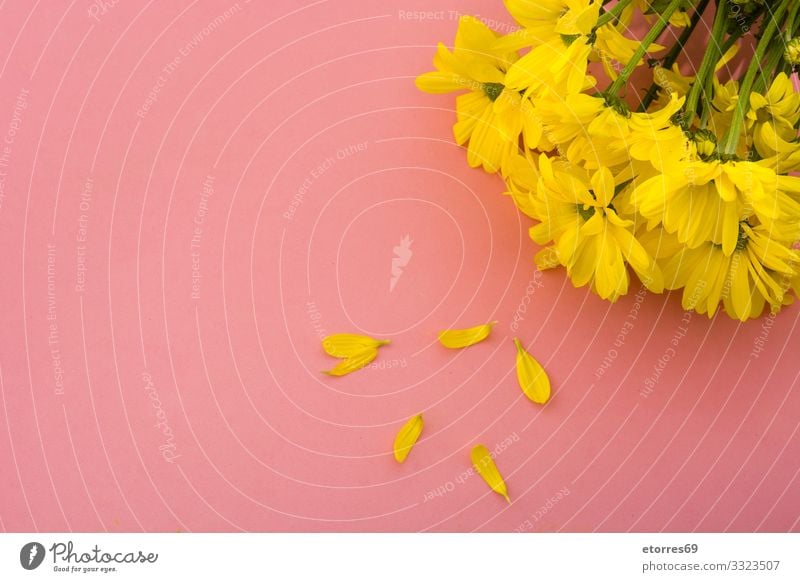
(790, 22)
(672, 56)
(730, 142)
(649, 39)
(730, 42)
(612, 14)
(709, 62)
(733, 39)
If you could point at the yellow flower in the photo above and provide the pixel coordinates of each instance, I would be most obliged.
(489, 116)
(545, 21)
(705, 201)
(773, 118)
(475, 67)
(654, 137)
(759, 272)
(592, 241)
(603, 133)
(558, 66)
(566, 117)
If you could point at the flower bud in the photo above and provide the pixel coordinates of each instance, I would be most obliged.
(792, 52)
(706, 143)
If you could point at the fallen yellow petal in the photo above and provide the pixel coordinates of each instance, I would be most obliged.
(344, 345)
(531, 376)
(461, 338)
(484, 465)
(407, 437)
(353, 363)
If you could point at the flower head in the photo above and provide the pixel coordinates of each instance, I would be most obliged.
(759, 272)
(592, 241)
(545, 21)
(773, 118)
(705, 201)
(491, 115)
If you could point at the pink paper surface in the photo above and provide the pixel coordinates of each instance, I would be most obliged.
(194, 193)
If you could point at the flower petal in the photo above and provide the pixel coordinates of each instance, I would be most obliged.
(406, 438)
(353, 363)
(461, 338)
(344, 345)
(486, 468)
(531, 376)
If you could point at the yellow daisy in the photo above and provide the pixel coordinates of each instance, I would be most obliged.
(600, 132)
(559, 66)
(545, 21)
(490, 117)
(759, 272)
(591, 240)
(773, 117)
(705, 201)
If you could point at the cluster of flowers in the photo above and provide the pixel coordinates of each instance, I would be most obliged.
(690, 187)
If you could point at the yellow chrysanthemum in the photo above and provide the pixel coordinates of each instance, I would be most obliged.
(773, 117)
(696, 182)
(566, 117)
(559, 67)
(705, 201)
(545, 21)
(490, 118)
(599, 134)
(591, 240)
(759, 272)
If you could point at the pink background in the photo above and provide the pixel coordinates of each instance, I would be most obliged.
(296, 241)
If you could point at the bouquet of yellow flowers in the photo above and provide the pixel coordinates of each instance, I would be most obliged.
(689, 187)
